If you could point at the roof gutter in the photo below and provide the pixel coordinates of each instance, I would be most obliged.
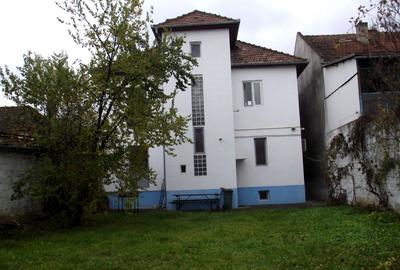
(358, 56)
(300, 65)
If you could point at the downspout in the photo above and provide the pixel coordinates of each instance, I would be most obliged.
(164, 185)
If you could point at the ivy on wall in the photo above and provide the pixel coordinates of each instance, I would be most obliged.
(369, 147)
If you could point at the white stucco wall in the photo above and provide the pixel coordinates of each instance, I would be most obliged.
(215, 66)
(280, 106)
(12, 166)
(342, 106)
(284, 161)
(274, 119)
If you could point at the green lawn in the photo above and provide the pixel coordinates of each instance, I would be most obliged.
(313, 238)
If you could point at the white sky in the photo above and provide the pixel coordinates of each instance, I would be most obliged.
(32, 24)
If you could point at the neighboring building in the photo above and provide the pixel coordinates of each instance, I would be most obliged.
(16, 155)
(335, 90)
(245, 119)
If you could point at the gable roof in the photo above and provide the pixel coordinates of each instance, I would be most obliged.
(196, 17)
(249, 55)
(332, 48)
(198, 20)
(16, 126)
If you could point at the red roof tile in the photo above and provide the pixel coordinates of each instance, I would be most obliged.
(196, 17)
(246, 54)
(335, 47)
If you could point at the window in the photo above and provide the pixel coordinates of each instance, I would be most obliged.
(263, 195)
(195, 49)
(200, 159)
(261, 151)
(183, 168)
(200, 165)
(198, 101)
(199, 140)
(252, 93)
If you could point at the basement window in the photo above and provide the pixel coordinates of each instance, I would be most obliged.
(263, 195)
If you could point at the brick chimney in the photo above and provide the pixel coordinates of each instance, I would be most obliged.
(362, 32)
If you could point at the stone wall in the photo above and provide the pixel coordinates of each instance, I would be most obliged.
(354, 185)
(12, 165)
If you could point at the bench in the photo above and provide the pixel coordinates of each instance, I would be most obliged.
(208, 199)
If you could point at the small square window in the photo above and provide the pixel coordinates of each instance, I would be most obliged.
(263, 195)
(195, 49)
(183, 168)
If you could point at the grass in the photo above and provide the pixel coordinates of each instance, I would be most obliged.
(313, 238)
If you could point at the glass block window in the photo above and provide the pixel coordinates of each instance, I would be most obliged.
(200, 160)
(200, 165)
(198, 101)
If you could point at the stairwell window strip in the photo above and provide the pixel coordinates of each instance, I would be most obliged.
(198, 101)
(198, 139)
(252, 93)
(198, 121)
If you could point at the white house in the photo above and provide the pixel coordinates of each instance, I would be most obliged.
(335, 90)
(245, 120)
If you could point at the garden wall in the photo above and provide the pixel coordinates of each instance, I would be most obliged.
(12, 165)
(370, 176)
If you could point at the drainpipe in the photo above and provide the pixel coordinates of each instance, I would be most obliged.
(164, 180)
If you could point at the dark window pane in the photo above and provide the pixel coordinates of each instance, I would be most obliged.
(183, 168)
(195, 49)
(263, 194)
(257, 93)
(199, 140)
(261, 153)
(248, 96)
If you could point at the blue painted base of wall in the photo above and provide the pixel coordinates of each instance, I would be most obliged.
(277, 195)
(145, 200)
(244, 196)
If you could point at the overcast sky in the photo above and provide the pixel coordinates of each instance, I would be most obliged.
(32, 24)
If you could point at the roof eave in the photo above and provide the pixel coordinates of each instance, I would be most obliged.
(360, 56)
(247, 65)
(300, 65)
(342, 59)
(232, 26)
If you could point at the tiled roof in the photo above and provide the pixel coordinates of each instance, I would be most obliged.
(246, 54)
(16, 126)
(199, 20)
(335, 47)
(196, 17)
